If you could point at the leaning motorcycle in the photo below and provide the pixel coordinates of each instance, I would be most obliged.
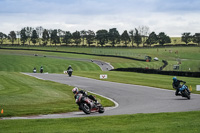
(70, 72)
(87, 105)
(185, 91)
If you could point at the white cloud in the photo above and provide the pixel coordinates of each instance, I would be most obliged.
(72, 15)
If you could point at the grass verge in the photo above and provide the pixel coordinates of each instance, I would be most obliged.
(24, 95)
(183, 122)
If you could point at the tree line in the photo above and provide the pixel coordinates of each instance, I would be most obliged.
(138, 36)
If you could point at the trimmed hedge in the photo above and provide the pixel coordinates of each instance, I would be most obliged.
(154, 71)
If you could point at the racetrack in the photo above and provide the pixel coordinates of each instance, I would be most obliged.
(131, 99)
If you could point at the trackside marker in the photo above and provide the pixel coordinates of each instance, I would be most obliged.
(103, 76)
(198, 87)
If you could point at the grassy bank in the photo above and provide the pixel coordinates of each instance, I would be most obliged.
(13, 61)
(184, 122)
(24, 95)
(21, 61)
(189, 57)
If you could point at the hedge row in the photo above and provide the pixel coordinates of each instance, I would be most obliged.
(154, 71)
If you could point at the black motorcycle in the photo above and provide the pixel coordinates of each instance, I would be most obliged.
(87, 105)
(70, 72)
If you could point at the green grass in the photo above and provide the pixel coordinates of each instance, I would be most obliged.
(12, 62)
(183, 122)
(55, 62)
(190, 56)
(24, 95)
(24, 63)
(183, 52)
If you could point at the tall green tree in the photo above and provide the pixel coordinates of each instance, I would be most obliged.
(137, 38)
(67, 37)
(114, 36)
(131, 32)
(196, 38)
(186, 37)
(90, 36)
(163, 38)
(2, 37)
(34, 37)
(54, 37)
(102, 37)
(125, 38)
(12, 37)
(83, 35)
(50, 35)
(45, 37)
(60, 35)
(152, 39)
(76, 37)
(23, 36)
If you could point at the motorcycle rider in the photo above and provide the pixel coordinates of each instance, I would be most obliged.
(70, 67)
(76, 91)
(176, 85)
(41, 69)
(34, 70)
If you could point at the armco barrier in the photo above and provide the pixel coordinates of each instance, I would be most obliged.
(154, 71)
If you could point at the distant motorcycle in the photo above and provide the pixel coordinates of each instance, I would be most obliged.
(70, 72)
(41, 70)
(185, 91)
(87, 105)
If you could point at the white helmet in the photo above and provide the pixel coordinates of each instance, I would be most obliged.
(75, 90)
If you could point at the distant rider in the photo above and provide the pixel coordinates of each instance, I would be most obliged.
(41, 69)
(76, 91)
(176, 85)
(70, 67)
(34, 70)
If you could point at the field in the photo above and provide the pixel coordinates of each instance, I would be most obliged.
(188, 58)
(183, 122)
(23, 95)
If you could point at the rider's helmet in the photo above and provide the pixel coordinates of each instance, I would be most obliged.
(75, 90)
(174, 79)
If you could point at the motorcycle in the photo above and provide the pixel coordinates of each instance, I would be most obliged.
(70, 72)
(185, 91)
(87, 105)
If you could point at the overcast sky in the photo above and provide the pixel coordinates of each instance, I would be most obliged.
(170, 16)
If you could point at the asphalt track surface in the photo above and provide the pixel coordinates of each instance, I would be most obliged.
(129, 99)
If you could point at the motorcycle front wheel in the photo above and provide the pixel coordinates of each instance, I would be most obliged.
(186, 94)
(101, 109)
(85, 108)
